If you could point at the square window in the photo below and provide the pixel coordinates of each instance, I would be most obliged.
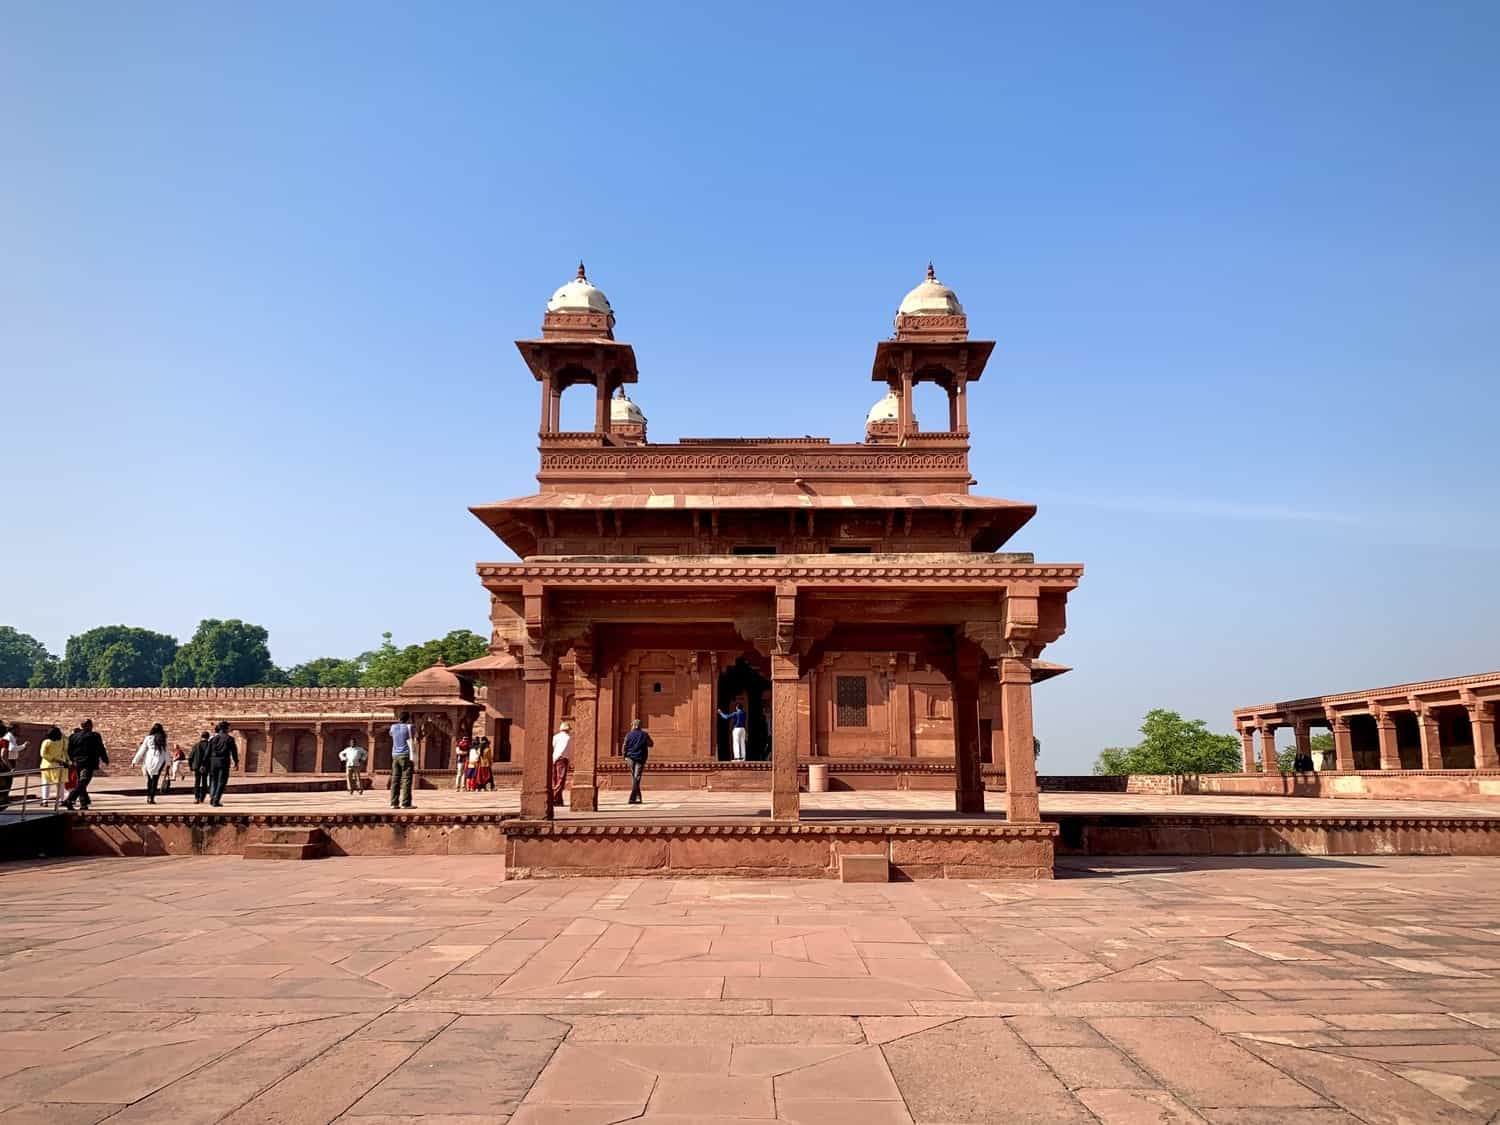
(852, 697)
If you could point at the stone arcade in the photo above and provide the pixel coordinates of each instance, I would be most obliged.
(852, 597)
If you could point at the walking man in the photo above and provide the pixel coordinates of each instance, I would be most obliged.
(738, 734)
(637, 744)
(222, 753)
(353, 756)
(86, 752)
(198, 763)
(401, 763)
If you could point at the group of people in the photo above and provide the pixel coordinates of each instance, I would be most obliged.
(210, 761)
(474, 768)
(68, 764)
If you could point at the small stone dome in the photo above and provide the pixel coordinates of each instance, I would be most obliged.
(887, 409)
(931, 298)
(622, 408)
(435, 683)
(581, 295)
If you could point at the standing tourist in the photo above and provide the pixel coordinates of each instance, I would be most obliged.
(54, 761)
(174, 769)
(637, 745)
(401, 763)
(738, 734)
(461, 770)
(472, 754)
(152, 758)
(562, 761)
(353, 757)
(6, 766)
(198, 763)
(486, 765)
(222, 753)
(86, 752)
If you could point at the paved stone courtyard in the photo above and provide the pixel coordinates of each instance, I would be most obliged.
(375, 991)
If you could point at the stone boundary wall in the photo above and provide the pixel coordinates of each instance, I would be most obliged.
(1378, 785)
(124, 715)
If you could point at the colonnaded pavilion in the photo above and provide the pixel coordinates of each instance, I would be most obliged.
(854, 598)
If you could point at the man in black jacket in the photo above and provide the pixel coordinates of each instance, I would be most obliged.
(198, 763)
(85, 751)
(222, 752)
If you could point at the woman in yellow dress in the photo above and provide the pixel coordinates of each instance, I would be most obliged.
(54, 763)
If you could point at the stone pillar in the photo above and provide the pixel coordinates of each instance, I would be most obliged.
(1303, 734)
(704, 713)
(906, 406)
(555, 407)
(1482, 723)
(785, 801)
(1247, 748)
(1022, 805)
(1268, 749)
(902, 743)
(536, 756)
(546, 426)
(961, 396)
(952, 409)
(1432, 740)
(320, 746)
(584, 795)
(1343, 745)
(968, 785)
(601, 405)
(1390, 752)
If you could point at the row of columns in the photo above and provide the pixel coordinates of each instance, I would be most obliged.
(268, 730)
(1481, 723)
(958, 405)
(789, 733)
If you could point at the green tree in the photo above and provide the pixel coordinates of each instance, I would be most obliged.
(389, 666)
(1171, 744)
(19, 653)
(221, 654)
(138, 661)
(326, 671)
(46, 672)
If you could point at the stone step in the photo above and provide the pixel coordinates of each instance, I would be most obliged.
(294, 835)
(864, 869)
(284, 851)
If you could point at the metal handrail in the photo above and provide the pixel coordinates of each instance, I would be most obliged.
(27, 797)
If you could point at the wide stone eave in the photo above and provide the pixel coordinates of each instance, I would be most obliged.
(994, 519)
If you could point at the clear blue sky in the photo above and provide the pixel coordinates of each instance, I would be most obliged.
(261, 267)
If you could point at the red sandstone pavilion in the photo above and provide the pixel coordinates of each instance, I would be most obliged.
(852, 597)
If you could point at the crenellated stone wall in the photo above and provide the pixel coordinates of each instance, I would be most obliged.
(124, 715)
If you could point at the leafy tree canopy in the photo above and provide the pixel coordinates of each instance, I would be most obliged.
(326, 671)
(389, 666)
(117, 656)
(221, 654)
(19, 653)
(1171, 744)
(47, 672)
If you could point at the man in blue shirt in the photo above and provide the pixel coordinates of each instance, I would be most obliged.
(739, 736)
(401, 763)
(637, 744)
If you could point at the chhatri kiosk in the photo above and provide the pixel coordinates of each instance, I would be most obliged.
(852, 598)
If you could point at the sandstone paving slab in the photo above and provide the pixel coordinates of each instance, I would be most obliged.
(812, 1112)
(950, 1074)
(1094, 1067)
(886, 1029)
(705, 1095)
(56, 1113)
(1137, 1107)
(589, 1075)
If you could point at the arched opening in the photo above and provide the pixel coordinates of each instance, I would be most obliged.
(930, 405)
(743, 685)
(576, 414)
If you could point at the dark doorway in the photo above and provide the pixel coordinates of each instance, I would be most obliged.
(743, 683)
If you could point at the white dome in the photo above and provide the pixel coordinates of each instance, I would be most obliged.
(580, 295)
(931, 298)
(887, 409)
(623, 409)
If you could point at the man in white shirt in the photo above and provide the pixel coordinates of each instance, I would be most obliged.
(353, 757)
(561, 761)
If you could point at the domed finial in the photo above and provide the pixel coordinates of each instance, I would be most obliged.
(930, 275)
(584, 277)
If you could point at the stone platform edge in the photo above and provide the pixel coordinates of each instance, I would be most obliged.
(549, 849)
(1210, 834)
